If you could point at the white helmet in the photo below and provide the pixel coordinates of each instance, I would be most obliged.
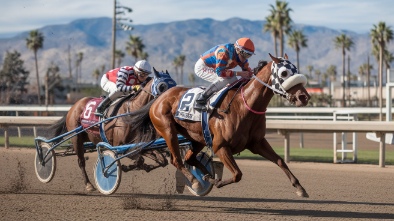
(143, 66)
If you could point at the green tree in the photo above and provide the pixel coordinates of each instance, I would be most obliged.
(318, 74)
(96, 74)
(192, 78)
(297, 40)
(119, 55)
(78, 65)
(331, 72)
(143, 55)
(13, 78)
(34, 42)
(271, 25)
(179, 62)
(281, 14)
(52, 80)
(344, 43)
(176, 64)
(364, 72)
(135, 47)
(381, 35)
(310, 69)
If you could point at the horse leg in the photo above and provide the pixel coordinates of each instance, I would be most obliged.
(79, 149)
(160, 161)
(228, 160)
(191, 158)
(176, 159)
(138, 163)
(267, 152)
(155, 155)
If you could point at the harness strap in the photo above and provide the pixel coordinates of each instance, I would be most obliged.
(270, 87)
(247, 107)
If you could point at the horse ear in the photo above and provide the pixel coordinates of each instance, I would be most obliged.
(286, 57)
(156, 72)
(276, 60)
(167, 72)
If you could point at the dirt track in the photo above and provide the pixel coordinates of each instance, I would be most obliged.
(337, 192)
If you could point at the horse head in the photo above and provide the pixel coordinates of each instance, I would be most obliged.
(161, 82)
(287, 82)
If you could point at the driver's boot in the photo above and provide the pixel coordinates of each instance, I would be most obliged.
(102, 106)
(202, 99)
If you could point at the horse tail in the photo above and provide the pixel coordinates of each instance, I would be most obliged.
(59, 127)
(142, 128)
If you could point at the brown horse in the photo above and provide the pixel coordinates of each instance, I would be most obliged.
(117, 131)
(242, 126)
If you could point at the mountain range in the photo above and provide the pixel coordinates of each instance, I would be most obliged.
(165, 41)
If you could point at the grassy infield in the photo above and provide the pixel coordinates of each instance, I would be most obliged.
(296, 154)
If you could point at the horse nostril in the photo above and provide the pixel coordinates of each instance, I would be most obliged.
(303, 98)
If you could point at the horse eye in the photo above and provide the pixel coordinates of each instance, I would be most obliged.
(284, 74)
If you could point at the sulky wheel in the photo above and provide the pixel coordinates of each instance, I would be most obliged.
(206, 186)
(45, 169)
(107, 182)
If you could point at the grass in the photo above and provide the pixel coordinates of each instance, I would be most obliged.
(296, 154)
(24, 141)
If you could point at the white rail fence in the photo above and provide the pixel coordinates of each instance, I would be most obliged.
(284, 127)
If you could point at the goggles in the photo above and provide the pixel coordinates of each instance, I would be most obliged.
(243, 52)
(141, 73)
(246, 54)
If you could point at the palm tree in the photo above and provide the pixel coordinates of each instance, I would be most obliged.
(119, 55)
(281, 14)
(381, 35)
(310, 69)
(78, 64)
(318, 74)
(364, 71)
(192, 78)
(388, 58)
(134, 47)
(181, 64)
(271, 26)
(176, 64)
(96, 74)
(324, 78)
(52, 78)
(143, 55)
(34, 42)
(332, 73)
(297, 40)
(344, 43)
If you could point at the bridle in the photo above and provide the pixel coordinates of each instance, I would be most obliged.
(281, 92)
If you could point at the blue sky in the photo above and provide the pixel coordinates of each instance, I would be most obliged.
(354, 15)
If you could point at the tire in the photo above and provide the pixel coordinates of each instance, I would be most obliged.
(107, 184)
(45, 171)
(206, 186)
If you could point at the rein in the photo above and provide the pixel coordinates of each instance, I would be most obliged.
(284, 93)
(247, 106)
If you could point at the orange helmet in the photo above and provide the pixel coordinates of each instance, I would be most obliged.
(245, 45)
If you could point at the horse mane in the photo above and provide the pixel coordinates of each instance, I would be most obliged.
(260, 66)
(143, 128)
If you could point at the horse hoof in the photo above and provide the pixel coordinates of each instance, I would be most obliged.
(90, 188)
(196, 186)
(302, 194)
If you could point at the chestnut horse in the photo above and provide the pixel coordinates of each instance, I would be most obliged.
(242, 126)
(117, 131)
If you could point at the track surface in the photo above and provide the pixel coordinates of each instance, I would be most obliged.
(337, 192)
